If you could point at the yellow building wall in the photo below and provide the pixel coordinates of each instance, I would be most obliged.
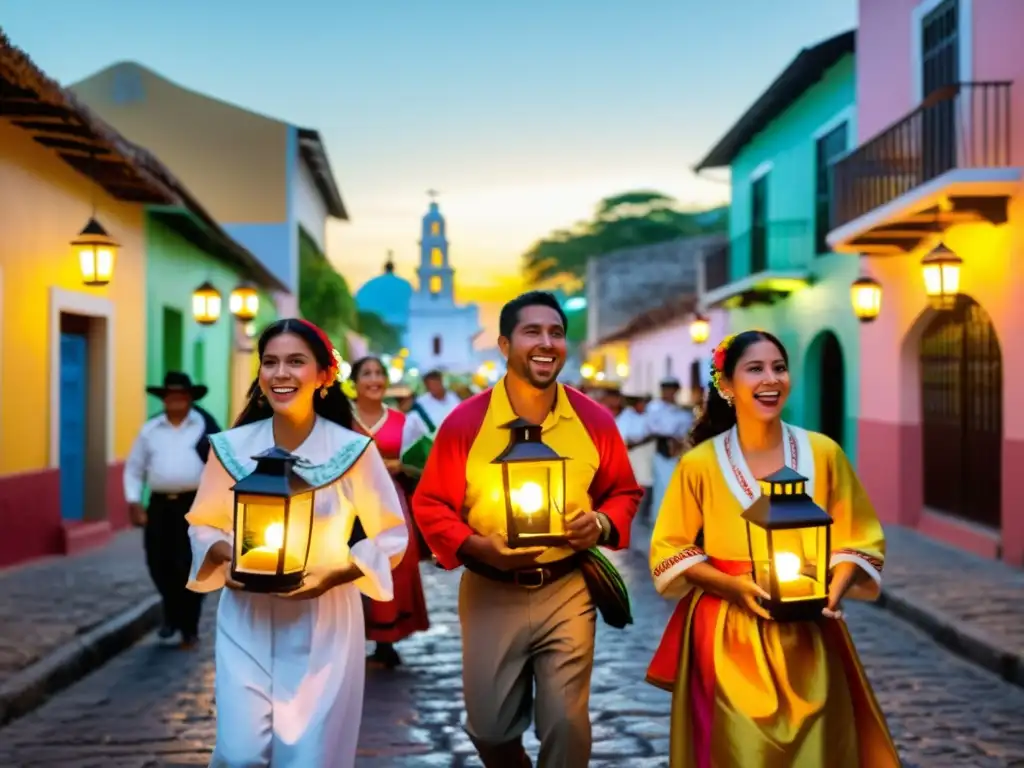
(45, 205)
(214, 148)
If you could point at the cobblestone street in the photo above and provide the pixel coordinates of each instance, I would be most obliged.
(153, 707)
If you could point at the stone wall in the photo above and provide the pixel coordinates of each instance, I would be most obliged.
(625, 283)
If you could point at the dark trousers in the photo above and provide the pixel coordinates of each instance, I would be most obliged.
(169, 559)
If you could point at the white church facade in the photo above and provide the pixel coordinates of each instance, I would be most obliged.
(438, 333)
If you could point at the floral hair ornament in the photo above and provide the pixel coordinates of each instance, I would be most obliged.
(718, 360)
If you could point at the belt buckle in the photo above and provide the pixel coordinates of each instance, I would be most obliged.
(172, 496)
(538, 572)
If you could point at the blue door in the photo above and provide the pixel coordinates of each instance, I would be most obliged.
(74, 396)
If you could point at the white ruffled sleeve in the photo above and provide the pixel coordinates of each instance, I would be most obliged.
(370, 489)
(211, 519)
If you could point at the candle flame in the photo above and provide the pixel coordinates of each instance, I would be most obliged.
(530, 498)
(787, 566)
(273, 537)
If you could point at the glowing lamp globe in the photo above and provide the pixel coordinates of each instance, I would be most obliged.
(533, 481)
(941, 272)
(700, 329)
(97, 252)
(273, 524)
(789, 538)
(206, 304)
(245, 302)
(866, 298)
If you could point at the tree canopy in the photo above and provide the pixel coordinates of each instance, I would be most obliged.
(626, 220)
(383, 339)
(324, 295)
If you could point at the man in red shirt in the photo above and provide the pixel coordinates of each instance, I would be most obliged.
(526, 610)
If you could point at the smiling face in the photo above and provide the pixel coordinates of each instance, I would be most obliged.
(289, 374)
(536, 351)
(371, 381)
(760, 384)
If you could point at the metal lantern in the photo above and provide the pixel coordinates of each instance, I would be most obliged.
(866, 298)
(206, 304)
(789, 538)
(97, 252)
(941, 270)
(273, 524)
(533, 477)
(245, 302)
(700, 329)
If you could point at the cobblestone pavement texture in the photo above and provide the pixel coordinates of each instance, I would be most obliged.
(49, 602)
(153, 707)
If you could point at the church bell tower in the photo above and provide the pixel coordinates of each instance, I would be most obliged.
(436, 277)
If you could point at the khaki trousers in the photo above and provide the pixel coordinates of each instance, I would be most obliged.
(513, 639)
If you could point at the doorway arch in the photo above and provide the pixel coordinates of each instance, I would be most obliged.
(828, 370)
(961, 368)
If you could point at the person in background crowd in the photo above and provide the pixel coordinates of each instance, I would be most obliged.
(633, 428)
(612, 399)
(668, 423)
(389, 622)
(168, 456)
(437, 402)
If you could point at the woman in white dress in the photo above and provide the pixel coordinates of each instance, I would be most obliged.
(290, 667)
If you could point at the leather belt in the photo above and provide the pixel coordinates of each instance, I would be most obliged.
(527, 578)
(172, 496)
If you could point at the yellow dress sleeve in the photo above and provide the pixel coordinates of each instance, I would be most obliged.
(857, 535)
(673, 542)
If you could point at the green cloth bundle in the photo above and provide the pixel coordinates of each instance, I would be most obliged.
(607, 589)
(416, 454)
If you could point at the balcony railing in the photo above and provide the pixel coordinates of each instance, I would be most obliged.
(966, 125)
(777, 246)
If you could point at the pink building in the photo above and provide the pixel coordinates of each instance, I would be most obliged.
(658, 343)
(931, 201)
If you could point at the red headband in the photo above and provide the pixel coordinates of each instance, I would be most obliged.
(325, 339)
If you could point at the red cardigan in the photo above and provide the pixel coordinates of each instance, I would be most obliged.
(438, 502)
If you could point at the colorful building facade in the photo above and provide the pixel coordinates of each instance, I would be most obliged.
(72, 382)
(777, 271)
(183, 253)
(931, 202)
(263, 179)
(660, 343)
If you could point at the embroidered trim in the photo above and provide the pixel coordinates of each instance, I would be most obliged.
(317, 475)
(874, 562)
(677, 558)
(794, 455)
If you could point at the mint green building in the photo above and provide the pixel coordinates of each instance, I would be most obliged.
(183, 251)
(777, 272)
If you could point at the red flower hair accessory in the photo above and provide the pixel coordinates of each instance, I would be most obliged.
(718, 360)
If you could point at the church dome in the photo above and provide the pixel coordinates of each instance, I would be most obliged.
(387, 296)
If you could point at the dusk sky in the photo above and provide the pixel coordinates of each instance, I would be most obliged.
(522, 114)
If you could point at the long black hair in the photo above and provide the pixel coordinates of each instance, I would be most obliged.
(335, 407)
(718, 416)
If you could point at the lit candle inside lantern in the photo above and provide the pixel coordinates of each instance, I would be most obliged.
(529, 498)
(792, 583)
(264, 558)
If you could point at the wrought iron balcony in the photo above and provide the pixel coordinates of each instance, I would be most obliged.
(960, 127)
(768, 258)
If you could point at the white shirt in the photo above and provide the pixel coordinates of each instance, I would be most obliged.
(633, 428)
(164, 457)
(668, 420)
(438, 410)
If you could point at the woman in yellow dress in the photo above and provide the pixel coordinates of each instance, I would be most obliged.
(749, 692)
